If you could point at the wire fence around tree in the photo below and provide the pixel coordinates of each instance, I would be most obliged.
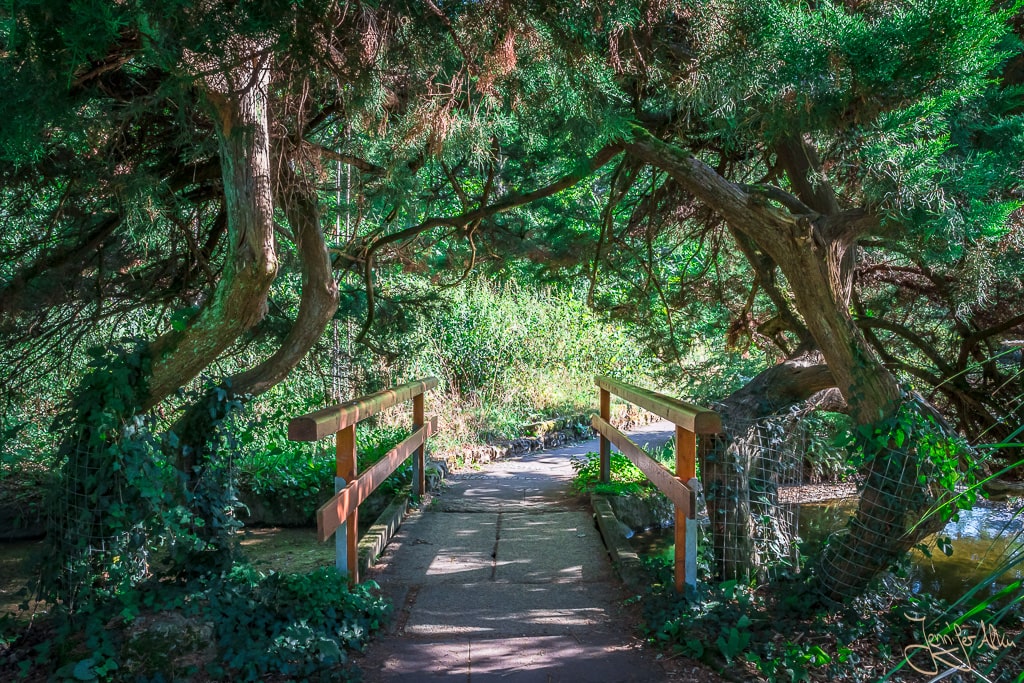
(753, 531)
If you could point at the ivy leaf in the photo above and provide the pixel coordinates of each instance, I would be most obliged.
(83, 670)
(180, 318)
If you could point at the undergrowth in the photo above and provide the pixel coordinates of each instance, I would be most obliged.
(508, 355)
(301, 476)
(781, 632)
(625, 478)
(241, 625)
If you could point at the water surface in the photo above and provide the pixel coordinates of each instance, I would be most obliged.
(984, 541)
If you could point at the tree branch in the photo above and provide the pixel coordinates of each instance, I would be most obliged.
(764, 269)
(803, 169)
(794, 205)
(603, 156)
(923, 346)
(703, 182)
(352, 160)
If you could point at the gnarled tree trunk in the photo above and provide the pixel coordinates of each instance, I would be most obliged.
(731, 459)
(317, 307)
(197, 429)
(811, 243)
(239, 95)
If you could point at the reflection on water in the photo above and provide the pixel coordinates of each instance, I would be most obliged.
(16, 569)
(984, 540)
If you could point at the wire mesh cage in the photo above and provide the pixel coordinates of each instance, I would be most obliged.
(749, 471)
(752, 529)
(96, 518)
(901, 503)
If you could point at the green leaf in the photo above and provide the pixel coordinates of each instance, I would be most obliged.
(819, 657)
(83, 670)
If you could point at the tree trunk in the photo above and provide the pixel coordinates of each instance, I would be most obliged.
(319, 291)
(317, 306)
(239, 97)
(197, 450)
(813, 250)
(737, 456)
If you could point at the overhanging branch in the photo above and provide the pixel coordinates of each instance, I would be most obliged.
(603, 156)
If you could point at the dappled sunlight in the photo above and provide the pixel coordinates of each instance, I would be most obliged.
(449, 565)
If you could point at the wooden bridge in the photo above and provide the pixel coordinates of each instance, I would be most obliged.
(504, 568)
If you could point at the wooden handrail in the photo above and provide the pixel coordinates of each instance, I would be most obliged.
(686, 415)
(680, 487)
(676, 491)
(315, 426)
(341, 513)
(334, 512)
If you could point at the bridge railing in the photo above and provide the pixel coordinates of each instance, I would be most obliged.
(680, 487)
(341, 513)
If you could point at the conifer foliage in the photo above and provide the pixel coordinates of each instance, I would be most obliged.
(835, 182)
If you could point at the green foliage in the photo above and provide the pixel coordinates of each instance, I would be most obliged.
(825, 452)
(301, 476)
(200, 451)
(119, 496)
(625, 477)
(783, 632)
(914, 436)
(238, 625)
(821, 67)
(295, 625)
(515, 353)
(104, 502)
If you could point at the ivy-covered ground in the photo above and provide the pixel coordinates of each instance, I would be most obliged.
(241, 625)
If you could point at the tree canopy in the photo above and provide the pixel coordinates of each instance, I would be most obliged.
(836, 183)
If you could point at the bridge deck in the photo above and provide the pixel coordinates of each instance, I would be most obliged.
(503, 576)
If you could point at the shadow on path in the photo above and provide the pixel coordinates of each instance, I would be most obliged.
(504, 577)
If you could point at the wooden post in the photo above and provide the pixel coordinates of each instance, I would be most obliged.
(606, 445)
(686, 525)
(347, 538)
(418, 456)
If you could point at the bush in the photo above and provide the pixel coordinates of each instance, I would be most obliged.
(241, 625)
(507, 355)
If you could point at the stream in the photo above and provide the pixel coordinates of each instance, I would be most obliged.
(982, 541)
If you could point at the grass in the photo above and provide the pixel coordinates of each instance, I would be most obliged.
(508, 356)
(625, 478)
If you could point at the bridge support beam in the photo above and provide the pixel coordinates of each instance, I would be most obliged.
(686, 520)
(347, 540)
(419, 455)
(606, 445)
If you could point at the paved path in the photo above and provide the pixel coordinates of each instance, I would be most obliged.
(504, 577)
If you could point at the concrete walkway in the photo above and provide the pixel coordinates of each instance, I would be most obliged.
(504, 577)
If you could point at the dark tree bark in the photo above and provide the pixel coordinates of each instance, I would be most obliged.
(239, 97)
(813, 249)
